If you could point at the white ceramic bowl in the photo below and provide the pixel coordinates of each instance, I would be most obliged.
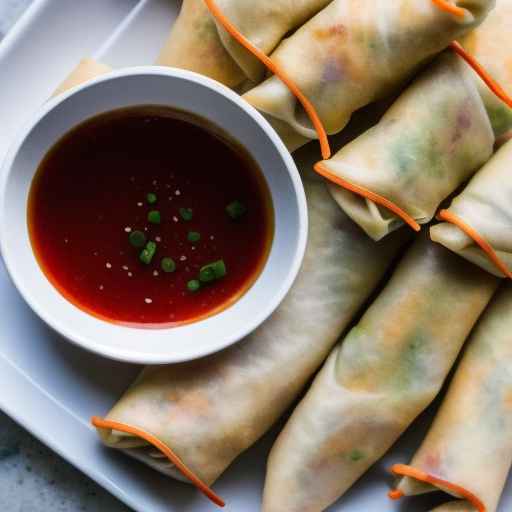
(187, 91)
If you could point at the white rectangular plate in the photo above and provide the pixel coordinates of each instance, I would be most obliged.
(53, 388)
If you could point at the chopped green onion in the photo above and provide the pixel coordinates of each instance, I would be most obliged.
(193, 286)
(207, 274)
(137, 239)
(212, 271)
(147, 253)
(186, 213)
(236, 209)
(168, 265)
(151, 198)
(193, 237)
(154, 217)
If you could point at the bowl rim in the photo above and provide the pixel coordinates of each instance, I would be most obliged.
(69, 333)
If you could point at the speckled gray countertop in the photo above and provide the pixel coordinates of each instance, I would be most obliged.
(32, 477)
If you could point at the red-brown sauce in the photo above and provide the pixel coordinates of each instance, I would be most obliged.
(90, 192)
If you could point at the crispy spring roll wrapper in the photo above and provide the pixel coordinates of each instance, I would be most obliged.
(198, 44)
(86, 70)
(486, 206)
(354, 52)
(468, 449)
(264, 24)
(431, 140)
(490, 44)
(194, 44)
(211, 410)
(376, 381)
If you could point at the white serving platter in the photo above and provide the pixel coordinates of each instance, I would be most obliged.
(53, 388)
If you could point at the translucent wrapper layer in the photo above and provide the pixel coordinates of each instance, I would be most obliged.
(486, 206)
(211, 410)
(197, 43)
(490, 44)
(431, 140)
(86, 70)
(468, 450)
(376, 381)
(354, 52)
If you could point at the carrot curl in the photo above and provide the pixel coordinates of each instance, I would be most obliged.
(457, 490)
(448, 7)
(159, 445)
(450, 217)
(280, 73)
(482, 73)
(321, 169)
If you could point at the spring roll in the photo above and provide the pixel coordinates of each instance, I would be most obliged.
(485, 205)
(211, 410)
(86, 70)
(198, 44)
(467, 452)
(490, 44)
(354, 52)
(385, 372)
(431, 140)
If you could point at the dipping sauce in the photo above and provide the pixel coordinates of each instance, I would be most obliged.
(150, 217)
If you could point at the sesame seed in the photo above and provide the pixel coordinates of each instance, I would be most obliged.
(128, 229)
(130, 274)
(212, 237)
(125, 267)
(175, 219)
(183, 258)
(139, 204)
(148, 300)
(101, 287)
(155, 272)
(154, 182)
(158, 239)
(108, 265)
(66, 240)
(178, 193)
(193, 247)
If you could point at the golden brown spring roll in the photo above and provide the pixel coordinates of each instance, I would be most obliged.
(485, 205)
(211, 410)
(198, 44)
(467, 452)
(354, 52)
(86, 70)
(490, 44)
(376, 381)
(431, 140)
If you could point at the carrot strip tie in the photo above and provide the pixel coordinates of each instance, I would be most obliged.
(280, 73)
(494, 86)
(159, 445)
(478, 239)
(395, 494)
(448, 7)
(458, 490)
(368, 194)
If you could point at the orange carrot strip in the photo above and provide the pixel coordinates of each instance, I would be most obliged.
(395, 494)
(446, 6)
(479, 240)
(122, 427)
(482, 73)
(404, 470)
(364, 192)
(280, 73)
